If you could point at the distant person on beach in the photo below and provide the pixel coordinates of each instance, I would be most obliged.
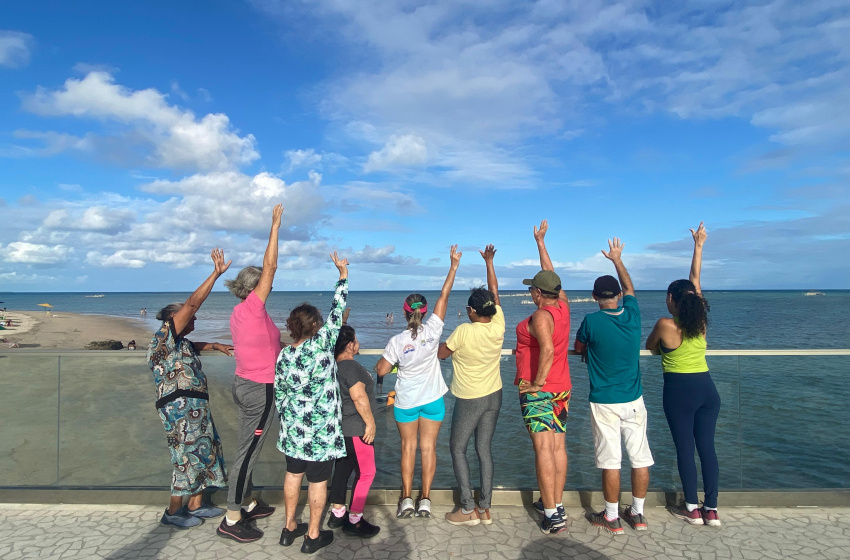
(307, 397)
(183, 405)
(691, 401)
(419, 408)
(131, 345)
(392, 318)
(143, 311)
(256, 341)
(476, 351)
(357, 389)
(609, 341)
(543, 377)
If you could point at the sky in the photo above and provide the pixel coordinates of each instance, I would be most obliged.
(135, 137)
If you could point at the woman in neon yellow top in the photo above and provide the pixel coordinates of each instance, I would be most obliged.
(691, 401)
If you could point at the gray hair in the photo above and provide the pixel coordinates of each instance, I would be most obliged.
(245, 281)
(168, 311)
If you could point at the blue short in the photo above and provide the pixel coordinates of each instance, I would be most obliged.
(435, 410)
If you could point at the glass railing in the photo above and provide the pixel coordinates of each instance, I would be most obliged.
(87, 419)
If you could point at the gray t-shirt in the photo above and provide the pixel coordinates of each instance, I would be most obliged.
(350, 373)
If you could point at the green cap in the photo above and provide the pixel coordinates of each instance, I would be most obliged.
(545, 280)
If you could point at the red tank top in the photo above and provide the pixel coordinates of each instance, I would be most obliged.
(528, 351)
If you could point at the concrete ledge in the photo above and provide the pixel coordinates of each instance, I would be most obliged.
(389, 496)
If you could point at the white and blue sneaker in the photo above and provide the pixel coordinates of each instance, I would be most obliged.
(554, 524)
(181, 519)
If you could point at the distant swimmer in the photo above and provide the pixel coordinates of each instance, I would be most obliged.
(388, 318)
(144, 311)
(392, 318)
(131, 345)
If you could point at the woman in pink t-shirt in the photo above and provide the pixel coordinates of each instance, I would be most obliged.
(256, 343)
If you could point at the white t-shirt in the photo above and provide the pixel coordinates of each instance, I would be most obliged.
(420, 380)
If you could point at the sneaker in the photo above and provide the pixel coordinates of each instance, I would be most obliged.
(538, 507)
(335, 522)
(423, 509)
(692, 517)
(312, 545)
(362, 528)
(484, 516)
(710, 517)
(207, 511)
(288, 537)
(260, 511)
(180, 519)
(636, 520)
(457, 517)
(553, 525)
(241, 531)
(599, 519)
(405, 508)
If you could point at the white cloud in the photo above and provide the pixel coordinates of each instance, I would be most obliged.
(100, 219)
(302, 158)
(399, 151)
(15, 48)
(34, 253)
(168, 136)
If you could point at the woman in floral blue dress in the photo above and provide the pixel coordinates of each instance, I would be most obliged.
(183, 405)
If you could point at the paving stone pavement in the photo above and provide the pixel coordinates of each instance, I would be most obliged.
(112, 532)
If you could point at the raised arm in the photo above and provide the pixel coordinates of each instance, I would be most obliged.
(335, 318)
(545, 261)
(492, 284)
(185, 314)
(696, 262)
(443, 300)
(615, 251)
(264, 286)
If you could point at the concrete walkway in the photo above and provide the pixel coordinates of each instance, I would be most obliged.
(83, 532)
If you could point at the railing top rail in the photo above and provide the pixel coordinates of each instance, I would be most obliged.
(505, 352)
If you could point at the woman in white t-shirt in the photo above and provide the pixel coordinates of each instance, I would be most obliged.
(419, 408)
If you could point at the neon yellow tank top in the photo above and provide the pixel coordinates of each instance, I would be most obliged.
(689, 357)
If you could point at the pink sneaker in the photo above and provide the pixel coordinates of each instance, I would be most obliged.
(710, 517)
(692, 517)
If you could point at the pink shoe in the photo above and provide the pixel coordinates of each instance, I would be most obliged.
(710, 517)
(692, 517)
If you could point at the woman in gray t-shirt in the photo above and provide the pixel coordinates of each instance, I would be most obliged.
(357, 389)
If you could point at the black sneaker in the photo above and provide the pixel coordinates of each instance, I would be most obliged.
(553, 525)
(614, 527)
(362, 528)
(636, 520)
(335, 522)
(288, 537)
(312, 545)
(242, 531)
(260, 511)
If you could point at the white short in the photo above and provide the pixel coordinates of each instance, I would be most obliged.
(609, 422)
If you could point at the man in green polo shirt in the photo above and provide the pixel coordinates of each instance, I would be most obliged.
(609, 341)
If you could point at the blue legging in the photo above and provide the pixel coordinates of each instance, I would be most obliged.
(691, 405)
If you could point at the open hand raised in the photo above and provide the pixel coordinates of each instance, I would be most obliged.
(276, 214)
(340, 264)
(488, 253)
(540, 233)
(615, 249)
(699, 235)
(218, 260)
(455, 257)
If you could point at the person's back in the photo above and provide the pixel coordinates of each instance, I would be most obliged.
(528, 351)
(256, 340)
(477, 353)
(612, 337)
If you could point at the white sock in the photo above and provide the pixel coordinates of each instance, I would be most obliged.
(481, 509)
(229, 522)
(549, 512)
(466, 511)
(637, 505)
(691, 507)
(559, 506)
(251, 506)
(612, 510)
(708, 508)
(338, 512)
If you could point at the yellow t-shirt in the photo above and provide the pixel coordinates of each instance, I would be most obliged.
(477, 351)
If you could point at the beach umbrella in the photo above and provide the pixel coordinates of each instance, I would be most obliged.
(44, 305)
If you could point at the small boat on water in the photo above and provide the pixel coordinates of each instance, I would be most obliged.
(813, 293)
(527, 302)
(96, 295)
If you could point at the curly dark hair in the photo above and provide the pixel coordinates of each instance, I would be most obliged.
(414, 320)
(483, 301)
(346, 336)
(692, 309)
(304, 321)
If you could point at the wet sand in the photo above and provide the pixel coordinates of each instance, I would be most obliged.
(71, 331)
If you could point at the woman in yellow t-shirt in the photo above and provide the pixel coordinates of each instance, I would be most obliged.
(476, 350)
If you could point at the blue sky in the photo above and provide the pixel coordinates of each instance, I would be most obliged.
(136, 137)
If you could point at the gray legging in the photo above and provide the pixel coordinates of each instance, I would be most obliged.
(474, 416)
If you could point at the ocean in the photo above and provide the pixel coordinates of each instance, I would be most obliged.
(780, 424)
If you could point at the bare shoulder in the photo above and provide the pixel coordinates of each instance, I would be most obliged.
(666, 323)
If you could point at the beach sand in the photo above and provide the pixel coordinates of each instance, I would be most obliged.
(72, 331)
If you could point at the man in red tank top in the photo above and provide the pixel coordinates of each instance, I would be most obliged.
(543, 377)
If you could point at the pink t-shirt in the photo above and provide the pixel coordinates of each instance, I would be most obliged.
(256, 340)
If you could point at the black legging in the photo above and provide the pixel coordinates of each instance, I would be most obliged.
(691, 405)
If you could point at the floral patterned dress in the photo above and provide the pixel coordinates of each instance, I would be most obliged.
(307, 393)
(183, 405)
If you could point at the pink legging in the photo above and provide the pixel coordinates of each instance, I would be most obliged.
(360, 459)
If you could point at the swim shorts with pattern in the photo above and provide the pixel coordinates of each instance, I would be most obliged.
(545, 412)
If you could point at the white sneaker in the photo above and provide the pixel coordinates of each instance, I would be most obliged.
(424, 509)
(405, 508)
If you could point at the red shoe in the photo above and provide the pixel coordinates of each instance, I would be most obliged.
(710, 517)
(692, 517)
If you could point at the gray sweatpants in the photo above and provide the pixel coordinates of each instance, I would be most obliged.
(478, 417)
(256, 411)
